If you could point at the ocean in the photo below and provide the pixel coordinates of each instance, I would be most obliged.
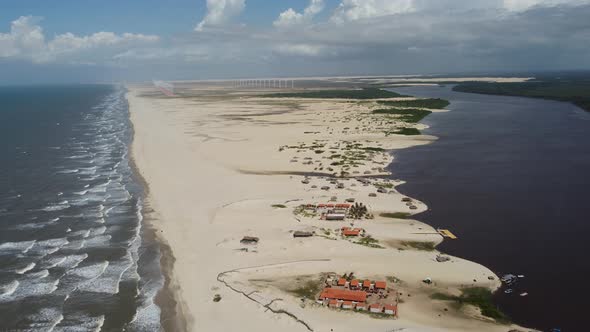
(73, 255)
(509, 176)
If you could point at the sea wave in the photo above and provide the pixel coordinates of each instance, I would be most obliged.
(21, 247)
(9, 288)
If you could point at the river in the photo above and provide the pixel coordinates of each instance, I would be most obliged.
(510, 177)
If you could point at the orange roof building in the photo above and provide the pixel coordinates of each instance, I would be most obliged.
(343, 294)
(361, 306)
(334, 304)
(354, 283)
(347, 231)
(380, 284)
(390, 309)
(367, 284)
(375, 308)
(341, 282)
(347, 305)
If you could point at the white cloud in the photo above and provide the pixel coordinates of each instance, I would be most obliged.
(220, 12)
(520, 5)
(27, 40)
(299, 49)
(351, 10)
(290, 17)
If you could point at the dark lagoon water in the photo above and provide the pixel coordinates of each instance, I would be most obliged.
(72, 255)
(511, 178)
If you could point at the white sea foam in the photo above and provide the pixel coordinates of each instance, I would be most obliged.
(24, 269)
(33, 286)
(83, 233)
(51, 262)
(45, 319)
(47, 247)
(41, 274)
(8, 288)
(75, 245)
(13, 247)
(83, 324)
(57, 207)
(89, 271)
(79, 202)
(81, 193)
(98, 241)
(68, 171)
(97, 231)
(72, 261)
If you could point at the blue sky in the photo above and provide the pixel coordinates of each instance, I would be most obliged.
(73, 40)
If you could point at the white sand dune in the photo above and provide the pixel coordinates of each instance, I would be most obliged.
(214, 169)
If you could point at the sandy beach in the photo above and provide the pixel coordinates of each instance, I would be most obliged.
(220, 164)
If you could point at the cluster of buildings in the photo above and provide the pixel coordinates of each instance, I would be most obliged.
(329, 211)
(359, 295)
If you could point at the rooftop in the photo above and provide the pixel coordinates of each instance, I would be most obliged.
(343, 294)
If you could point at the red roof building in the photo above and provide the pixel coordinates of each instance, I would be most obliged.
(334, 304)
(343, 294)
(347, 231)
(390, 309)
(341, 282)
(354, 283)
(367, 284)
(361, 306)
(375, 308)
(380, 284)
(347, 305)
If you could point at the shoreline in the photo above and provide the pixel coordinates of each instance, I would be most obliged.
(172, 317)
(255, 170)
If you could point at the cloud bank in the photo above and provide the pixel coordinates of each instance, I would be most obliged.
(353, 37)
(27, 40)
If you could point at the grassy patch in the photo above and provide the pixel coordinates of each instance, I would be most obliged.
(308, 289)
(405, 131)
(411, 115)
(368, 93)
(478, 296)
(369, 148)
(419, 245)
(435, 103)
(370, 242)
(384, 185)
(396, 215)
(279, 206)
